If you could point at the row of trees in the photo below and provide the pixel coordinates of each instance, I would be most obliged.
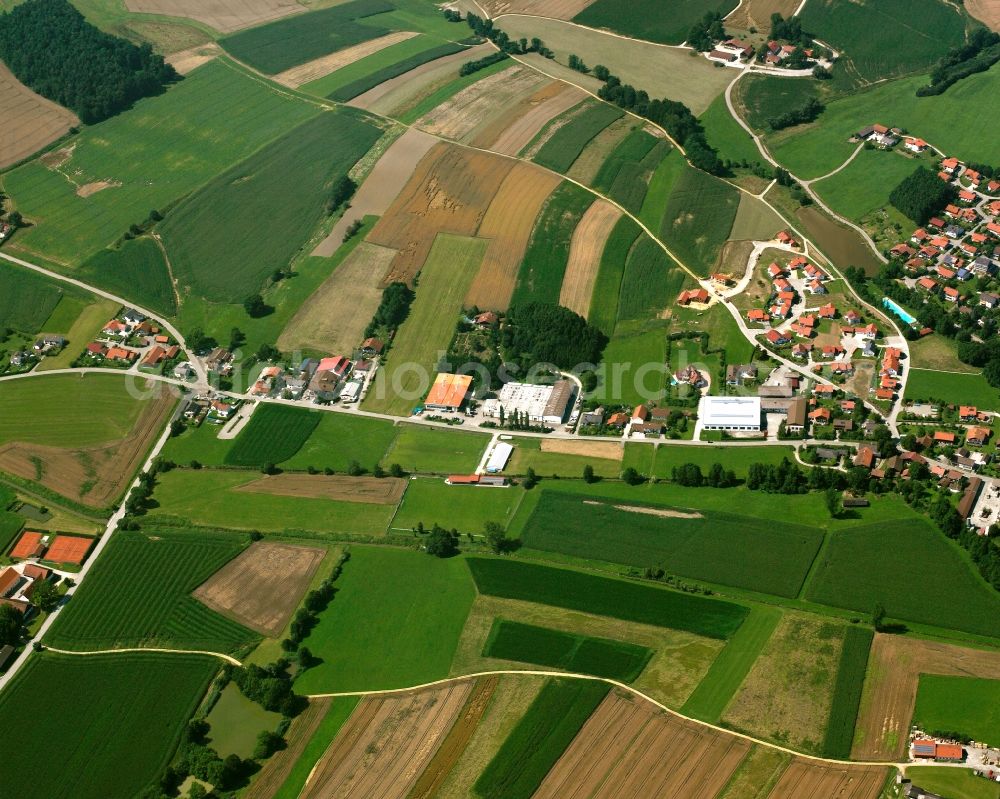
(978, 54)
(807, 112)
(470, 67)
(393, 308)
(690, 475)
(51, 48)
(485, 29)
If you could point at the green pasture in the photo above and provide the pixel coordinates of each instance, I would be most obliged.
(968, 388)
(235, 722)
(955, 783)
(969, 706)
(865, 184)
(340, 439)
(698, 218)
(27, 299)
(847, 693)
(368, 77)
(625, 376)
(625, 172)
(395, 621)
(136, 271)
(727, 136)
(431, 501)
(644, 19)
(566, 144)
(440, 450)
(660, 462)
(528, 453)
(651, 282)
(273, 434)
(200, 444)
(661, 186)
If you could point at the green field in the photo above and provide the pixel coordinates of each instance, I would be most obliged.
(865, 184)
(966, 705)
(955, 783)
(630, 351)
(26, 299)
(110, 722)
(273, 434)
(666, 457)
(340, 710)
(651, 282)
(952, 387)
(698, 218)
(604, 299)
(10, 522)
(624, 174)
(226, 239)
(727, 136)
(340, 439)
(135, 271)
(67, 410)
(445, 277)
(528, 453)
(211, 498)
(888, 38)
(661, 185)
(300, 38)
(139, 595)
(161, 150)
(581, 654)
(645, 19)
(881, 563)
(541, 274)
(465, 508)
(605, 596)
(539, 738)
(727, 672)
(761, 97)
(847, 693)
(419, 448)
(369, 75)
(566, 144)
(395, 621)
(773, 556)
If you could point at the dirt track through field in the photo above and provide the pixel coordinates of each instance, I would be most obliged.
(372, 490)
(29, 121)
(394, 94)
(585, 253)
(631, 748)
(890, 692)
(386, 744)
(559, 9)
(278, 766)
(463, 116)
(449, 192)
(806, 780)
(588, 449)
(508, 224)
(225, 16)
(261, 587)
(511, 132)
(335, 316)
(313, 70)
(380, 188)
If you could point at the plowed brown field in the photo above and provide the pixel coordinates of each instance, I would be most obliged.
(186, 61)
(449, 192)
(375, 490)
(386, 744)
(986, 11)
(585, 252)
(278, 766)
(805, 779)
(223, 15)
(262, 586)
(313, 70)
(29, 121)
(559, 9)
(588, 449)
(95, 476)
(890, 692)
(629, 748)
(508, 223)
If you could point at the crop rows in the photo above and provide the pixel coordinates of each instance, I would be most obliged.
(566, 144)
(351, 90)
(273, 434)
(847, 692)
(26, 300)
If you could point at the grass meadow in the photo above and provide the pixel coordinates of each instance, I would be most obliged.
(395, 621)
(644, 19)
(128, 713)
(847, 693)
(139, 595)
(160, 150)
(661, 185)
(660, 461)
(726, 135)
(698, 218)
(605, 596)
(864, 186)
(566, 144)
(273, 434)
(339, 439)
(136, 271)
(445, 278)
(465, 508)
(764, 555)
(528, 453)
(603, 312)
(539, 738)
(27, 299)
(956, 783)
(624, 174)
(952, 387)
(541, 274)
(629, 350)
(226, 239)
(419, 448)
(966, 705)
(602, 657)
(881, 563)
(651, 282)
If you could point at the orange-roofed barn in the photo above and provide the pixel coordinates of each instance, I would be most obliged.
(69, 549)
(448, 392)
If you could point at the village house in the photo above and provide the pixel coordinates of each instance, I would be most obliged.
(371, 346)
(775, 338)
(738, 373)
(977, 436)
(688, 296)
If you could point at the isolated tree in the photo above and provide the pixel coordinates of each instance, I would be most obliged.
(378, 471)
(255, 306)
(15, 219)
(631, 476)
(588, 474)
(442, 543)
(530, 479)
(496, 538)
(354, 469)
(878, 616)
(395, 470)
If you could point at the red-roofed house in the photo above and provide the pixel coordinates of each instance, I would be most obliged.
(927, 283)
(950, 165)
(776, 338)
(977, 436)
(688, 296)
(916, 145)
(968, 413)
(828, 311)
(950, 294)
(757, 315)
(944, 437)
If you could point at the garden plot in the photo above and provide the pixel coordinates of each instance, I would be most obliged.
(30, 122)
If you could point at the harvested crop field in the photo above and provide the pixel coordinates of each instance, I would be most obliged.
(585, 251)
(261, 587)
(278, 766)
(185, 61)
(313, 70)
(380, 188)
(508, 224)
(335, 316)
(473, 110)
(449, 192)
(95, 475)
(529, 117)
(588, 449)
(894, 668)
(559, 9)
(396, 94)
(387, 743)
(29, 120)
(805, 779)
(629, 747)
(374, 490)
(757, 13)
(223, 15)
(986, 11)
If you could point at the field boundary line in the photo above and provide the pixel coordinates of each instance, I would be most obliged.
(162, 650)
(943, 371)
(621, 686)
(602, 31)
